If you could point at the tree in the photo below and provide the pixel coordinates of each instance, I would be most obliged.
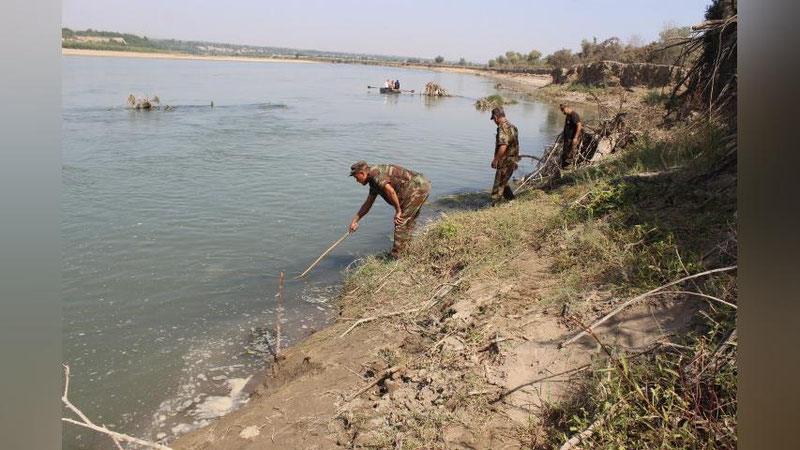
(462, 62)
(533, 56)
(502, 60)
(439, 59)
(561, 58)
(670, 41)
(492, 63)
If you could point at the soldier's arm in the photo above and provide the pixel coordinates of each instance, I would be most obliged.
(578, 130)
(499, 155)
(362, 211)
(392, 194)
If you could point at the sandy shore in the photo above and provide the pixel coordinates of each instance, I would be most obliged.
(522, 80)
(114, 54)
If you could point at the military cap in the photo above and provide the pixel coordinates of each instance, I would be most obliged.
(497, 112)
(357, 167)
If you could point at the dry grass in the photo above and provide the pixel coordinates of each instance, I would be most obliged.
(639, 220)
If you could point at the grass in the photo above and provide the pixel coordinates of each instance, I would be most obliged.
(634, 222)
(586, 88)
(690, 392)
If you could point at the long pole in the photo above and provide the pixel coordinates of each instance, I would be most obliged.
(278, 313)
(323, 255)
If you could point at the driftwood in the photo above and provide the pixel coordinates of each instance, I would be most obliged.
(607, 138)
(640, 297)
(434, 90)
(144, 103)
(86, 423)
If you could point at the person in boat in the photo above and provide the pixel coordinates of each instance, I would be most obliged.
(397, 84)
(403, 189)
(387, 84)
(571, 136)
(506, 156)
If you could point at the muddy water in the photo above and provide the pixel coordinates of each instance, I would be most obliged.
(176, 223)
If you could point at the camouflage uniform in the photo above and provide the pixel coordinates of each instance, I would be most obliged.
(506, 135)
(412, 190)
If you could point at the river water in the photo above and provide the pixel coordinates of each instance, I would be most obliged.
(176, 223)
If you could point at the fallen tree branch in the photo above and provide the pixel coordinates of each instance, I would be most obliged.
(589, 431)
(700, 294)
(640, 297)
(379, 316)
(378, 378)
(116, 437)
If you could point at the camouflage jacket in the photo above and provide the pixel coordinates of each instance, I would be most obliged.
(507, 135)
(398, 177)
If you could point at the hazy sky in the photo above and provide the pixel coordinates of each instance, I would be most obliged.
(476, 30)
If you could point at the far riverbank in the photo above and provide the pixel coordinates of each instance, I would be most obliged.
(115, 54)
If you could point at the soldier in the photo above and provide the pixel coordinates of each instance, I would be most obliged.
(403, 189)
(571, 136)
(506, 156)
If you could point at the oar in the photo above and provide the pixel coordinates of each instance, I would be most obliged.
(403, 90)
(323, 255)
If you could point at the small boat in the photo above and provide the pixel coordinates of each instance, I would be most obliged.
(385, 90)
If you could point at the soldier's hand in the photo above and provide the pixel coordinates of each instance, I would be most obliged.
(494, 164)
(398, 220)
(353, 226)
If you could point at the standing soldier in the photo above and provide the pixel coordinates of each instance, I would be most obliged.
(506, 156)
(403, 189)
(571, 136)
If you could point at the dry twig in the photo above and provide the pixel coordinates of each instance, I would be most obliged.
(86, 423)
(640, 297)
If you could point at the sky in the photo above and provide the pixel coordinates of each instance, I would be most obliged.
(475, 30)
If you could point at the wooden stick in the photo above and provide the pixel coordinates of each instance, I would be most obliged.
(588, 432)
(531, 157)
(382, 376)
(116, 437)
(278, 313)
(379, 316)
(640, 297)
(700, 294)
(323, 255)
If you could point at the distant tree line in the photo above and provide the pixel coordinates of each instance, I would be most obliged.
(665, 50)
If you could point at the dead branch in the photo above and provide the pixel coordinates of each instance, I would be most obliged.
(589, 431)
(378, 378)
(640, 297)
(379, 316)
(700, 294)
(86, 423)
(443, 290)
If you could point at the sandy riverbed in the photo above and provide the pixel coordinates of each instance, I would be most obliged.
(115, 54)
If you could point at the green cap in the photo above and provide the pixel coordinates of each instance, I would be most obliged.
(357, 167)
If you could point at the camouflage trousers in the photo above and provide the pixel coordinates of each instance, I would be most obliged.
(569, 153)
(501, 189)
(414, 196)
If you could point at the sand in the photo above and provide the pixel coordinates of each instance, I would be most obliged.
(115, 54)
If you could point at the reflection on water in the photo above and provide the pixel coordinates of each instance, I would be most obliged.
(176, 223)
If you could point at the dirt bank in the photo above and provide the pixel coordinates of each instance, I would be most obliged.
(459, 344)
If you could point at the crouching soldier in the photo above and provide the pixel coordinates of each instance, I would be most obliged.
(403, 189)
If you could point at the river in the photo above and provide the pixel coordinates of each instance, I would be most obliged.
(176, 223)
